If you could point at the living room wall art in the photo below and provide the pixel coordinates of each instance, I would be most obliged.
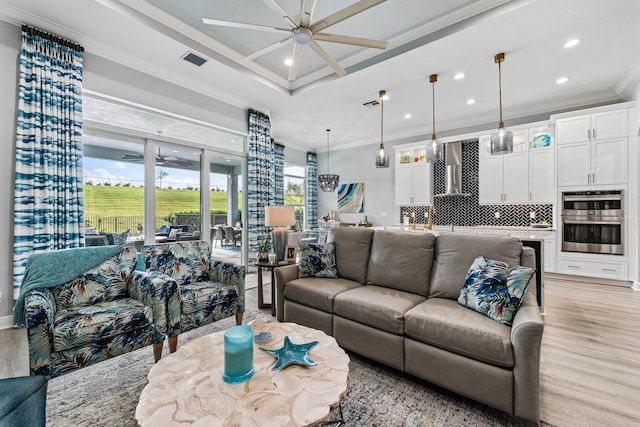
(351, 198)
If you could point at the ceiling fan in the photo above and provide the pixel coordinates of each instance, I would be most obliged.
(160, 159)
(303, 32)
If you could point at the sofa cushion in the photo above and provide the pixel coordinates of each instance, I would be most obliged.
(317, 260)
(316, 292)
(184, 262)
(495, 288)
(402, 261)
(455, 252)
(444, 323)
(377, 307)
(91, 325)
(352, 246)
(206, 296)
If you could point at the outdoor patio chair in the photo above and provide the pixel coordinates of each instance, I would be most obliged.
(217, 233)
(230, 235)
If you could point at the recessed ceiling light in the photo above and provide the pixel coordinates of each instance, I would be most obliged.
(571, 43)
(227, 159)
(407, 116)
(459, 76)
(562, 80)
(471, 101)
(288, 62)
(232, 140)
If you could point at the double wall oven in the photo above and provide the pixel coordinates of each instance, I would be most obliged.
(593, 222)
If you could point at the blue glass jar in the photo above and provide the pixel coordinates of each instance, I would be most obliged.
(238, 354)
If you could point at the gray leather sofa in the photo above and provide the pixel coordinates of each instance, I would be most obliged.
(395, 301)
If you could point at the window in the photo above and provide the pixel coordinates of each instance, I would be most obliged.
(294, 189)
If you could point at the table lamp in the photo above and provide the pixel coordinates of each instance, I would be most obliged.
(279, 217)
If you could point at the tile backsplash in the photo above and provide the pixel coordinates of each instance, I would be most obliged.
(467, 211)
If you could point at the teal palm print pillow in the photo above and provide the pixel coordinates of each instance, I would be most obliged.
(317, 260)
(495, 289)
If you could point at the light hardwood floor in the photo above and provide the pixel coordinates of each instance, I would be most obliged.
(590, 372)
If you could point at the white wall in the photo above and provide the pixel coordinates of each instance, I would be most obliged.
(9, 50)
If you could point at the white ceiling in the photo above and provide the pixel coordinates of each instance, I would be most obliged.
(426, 37)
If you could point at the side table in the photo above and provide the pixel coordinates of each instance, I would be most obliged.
(267, 266)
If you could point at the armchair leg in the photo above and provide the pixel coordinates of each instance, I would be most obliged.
(239, 318)
(157, 351)
(173, 344)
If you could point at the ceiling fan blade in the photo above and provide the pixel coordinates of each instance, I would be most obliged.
(245, 26)
(295, 61)
(345, 13)
(327, 58)
(307, 12)
(280, 12)
(356, 41)
(267, 49)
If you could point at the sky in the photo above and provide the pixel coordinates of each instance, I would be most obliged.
(115, 172)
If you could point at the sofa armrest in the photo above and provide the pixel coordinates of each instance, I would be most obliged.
(155, 290)
(40, 309)
(284, 274)
(526, 339)
(230, 274)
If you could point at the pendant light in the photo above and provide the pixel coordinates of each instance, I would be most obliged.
(502, 139)
(382, 156)
(328, 182)
(434, 150)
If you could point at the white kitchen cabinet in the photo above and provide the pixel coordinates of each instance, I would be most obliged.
(592, 127)
(504, 179)
(616, 270)
(593, 148)
(541, 176)
(593, 162)
(414, 180)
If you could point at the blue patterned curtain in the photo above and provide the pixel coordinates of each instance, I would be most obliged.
(278, 173)
(260, 177)
(312, 191)
(48, 202)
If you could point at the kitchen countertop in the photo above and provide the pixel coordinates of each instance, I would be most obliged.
(441, 228)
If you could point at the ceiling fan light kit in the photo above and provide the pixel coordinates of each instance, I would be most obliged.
(382, 156)
(303, 32)
(502, 139)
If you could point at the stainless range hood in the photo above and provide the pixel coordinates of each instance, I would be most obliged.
(453, 158)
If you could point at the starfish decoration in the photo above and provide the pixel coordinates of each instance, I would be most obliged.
(291, 353)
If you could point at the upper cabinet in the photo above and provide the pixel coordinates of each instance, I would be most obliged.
(414, 180)
(593, 148)
(522, 177)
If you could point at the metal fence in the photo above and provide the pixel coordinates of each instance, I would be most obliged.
(118, 224)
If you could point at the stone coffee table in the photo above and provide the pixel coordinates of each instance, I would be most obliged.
(186, 388)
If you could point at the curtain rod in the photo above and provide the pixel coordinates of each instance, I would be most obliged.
(52, 37)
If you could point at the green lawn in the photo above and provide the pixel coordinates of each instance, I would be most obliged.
(106, 201)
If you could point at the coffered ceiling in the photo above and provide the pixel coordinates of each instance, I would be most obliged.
(445, 37)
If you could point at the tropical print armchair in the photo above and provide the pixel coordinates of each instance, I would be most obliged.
(201, 291)
(106, 311)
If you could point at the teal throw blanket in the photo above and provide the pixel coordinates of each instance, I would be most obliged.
(50, 269)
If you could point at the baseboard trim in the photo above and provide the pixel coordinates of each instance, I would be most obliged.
(636, 286)
(6, 322)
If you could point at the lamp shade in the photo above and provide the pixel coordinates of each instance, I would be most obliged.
(279, 216)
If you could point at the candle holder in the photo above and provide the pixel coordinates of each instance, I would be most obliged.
(238, 354)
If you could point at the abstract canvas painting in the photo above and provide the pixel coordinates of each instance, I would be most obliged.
(351, 197)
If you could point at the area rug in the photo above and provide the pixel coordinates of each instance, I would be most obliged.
(106, 394)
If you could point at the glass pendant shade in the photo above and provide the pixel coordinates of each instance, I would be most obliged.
(435, 148)
(328, 182)
(502, 139)
(382, 156)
